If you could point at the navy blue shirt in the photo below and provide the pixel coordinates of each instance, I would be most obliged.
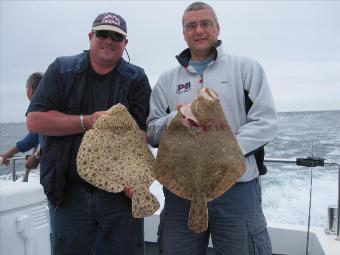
(30, 141)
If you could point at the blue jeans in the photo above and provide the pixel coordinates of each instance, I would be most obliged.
(86, 214)
(236, 224)
(138, 233)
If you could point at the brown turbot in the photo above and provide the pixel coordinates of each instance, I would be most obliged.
(113, 156)
(198, 157)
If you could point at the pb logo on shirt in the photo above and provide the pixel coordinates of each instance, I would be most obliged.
(185, 87)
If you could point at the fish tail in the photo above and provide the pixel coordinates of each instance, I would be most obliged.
(198, 216)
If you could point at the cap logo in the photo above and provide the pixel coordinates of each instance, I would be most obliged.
(111, 19)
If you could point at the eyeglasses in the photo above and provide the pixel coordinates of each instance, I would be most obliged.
(104, 34)
(205, 25)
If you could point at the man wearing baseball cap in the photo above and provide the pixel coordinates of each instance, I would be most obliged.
(73, 94)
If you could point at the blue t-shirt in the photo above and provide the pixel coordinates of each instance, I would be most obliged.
(200, 66)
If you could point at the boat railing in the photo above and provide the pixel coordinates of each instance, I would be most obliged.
(306, 162)
(12, 165)
(314, 162)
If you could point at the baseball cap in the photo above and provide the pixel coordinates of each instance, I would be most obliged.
(110, 21)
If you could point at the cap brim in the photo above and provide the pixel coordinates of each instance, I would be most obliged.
(111, 28)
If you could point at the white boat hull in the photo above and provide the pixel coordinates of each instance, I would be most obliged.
(25, 227)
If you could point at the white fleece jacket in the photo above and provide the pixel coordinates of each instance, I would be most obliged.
(229, 76)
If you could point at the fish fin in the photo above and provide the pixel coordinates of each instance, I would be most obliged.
(144, 204)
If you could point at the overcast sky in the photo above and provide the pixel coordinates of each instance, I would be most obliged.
(297, 43)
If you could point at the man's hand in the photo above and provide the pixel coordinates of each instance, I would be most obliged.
(5, 159)
(32, 162)
(128, 192)
(92, 118)
(188, 119)
(7, 155)
(144, 135)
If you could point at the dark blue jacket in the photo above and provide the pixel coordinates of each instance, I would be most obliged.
(64, 88)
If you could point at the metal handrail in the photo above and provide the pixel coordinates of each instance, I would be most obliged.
(313, 162)
(12, 165)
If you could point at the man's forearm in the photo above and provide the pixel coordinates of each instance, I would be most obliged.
(54, 123)
(11, 152)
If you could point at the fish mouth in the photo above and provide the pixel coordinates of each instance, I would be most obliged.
(188, 118)
(205, 96)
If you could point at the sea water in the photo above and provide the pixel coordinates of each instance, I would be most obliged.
(285, 188)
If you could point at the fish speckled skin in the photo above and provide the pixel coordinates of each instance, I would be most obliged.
(113, 156)
(201, 162)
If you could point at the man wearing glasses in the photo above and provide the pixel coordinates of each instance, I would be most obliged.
(236, 221)
(74, 93)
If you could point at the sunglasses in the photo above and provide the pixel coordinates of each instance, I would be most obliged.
(104, 34)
